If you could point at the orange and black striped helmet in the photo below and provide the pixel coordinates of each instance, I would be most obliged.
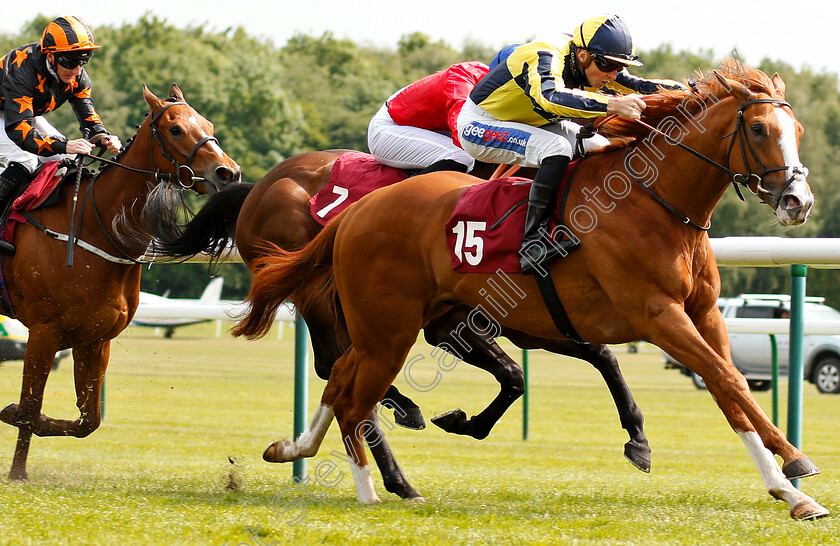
(67, 34)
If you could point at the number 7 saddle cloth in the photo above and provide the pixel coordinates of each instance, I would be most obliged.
(353, 176)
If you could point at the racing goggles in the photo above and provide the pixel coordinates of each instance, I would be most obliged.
(72, 59)
(606, 65)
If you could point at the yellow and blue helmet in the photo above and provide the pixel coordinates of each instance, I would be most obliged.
(607, 36)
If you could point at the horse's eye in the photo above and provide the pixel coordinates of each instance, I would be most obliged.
(758, 129)
(174, 130)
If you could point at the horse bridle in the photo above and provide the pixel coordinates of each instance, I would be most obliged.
(165, 145)
(744, 180)
(736, 178)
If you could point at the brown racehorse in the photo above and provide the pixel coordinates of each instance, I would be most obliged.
(645, 271)
(276, 210)
(87, 305)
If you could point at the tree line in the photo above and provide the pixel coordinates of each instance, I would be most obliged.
(269, 102)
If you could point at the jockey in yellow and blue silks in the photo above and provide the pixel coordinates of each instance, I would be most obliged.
(519, 113)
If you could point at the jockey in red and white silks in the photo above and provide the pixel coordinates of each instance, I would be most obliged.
(417, 127)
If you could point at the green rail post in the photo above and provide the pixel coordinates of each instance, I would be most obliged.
(525, 395)
(774, 363)
(797, 328)
(301, 388)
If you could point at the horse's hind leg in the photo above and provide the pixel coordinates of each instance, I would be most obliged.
(329, 340)
(465, 333)
(358, 382)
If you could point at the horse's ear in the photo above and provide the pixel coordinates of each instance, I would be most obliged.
(154, 103)
(176, 93)
(736, 89)
(778, 86)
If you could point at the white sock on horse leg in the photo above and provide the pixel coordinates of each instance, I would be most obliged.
(775, 481)
(309, 441)
(364, 484)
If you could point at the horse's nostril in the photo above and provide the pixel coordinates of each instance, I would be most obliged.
(792, 203)
(224, 173)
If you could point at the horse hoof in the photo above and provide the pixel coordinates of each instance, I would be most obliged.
(808, 510)
(451, 421)
(8, 414)
(412, 418)
(800, 468)
(275, 452)
(639, 456)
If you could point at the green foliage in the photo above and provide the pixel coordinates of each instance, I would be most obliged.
(269, 102)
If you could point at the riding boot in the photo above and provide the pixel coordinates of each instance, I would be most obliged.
(11, 179)
(541, 199)
(444, 165)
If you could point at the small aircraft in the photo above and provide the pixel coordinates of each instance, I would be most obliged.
(164, 305)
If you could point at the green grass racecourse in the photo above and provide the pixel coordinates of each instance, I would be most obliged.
(158, 472)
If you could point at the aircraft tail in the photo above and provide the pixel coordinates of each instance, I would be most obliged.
(213, 292)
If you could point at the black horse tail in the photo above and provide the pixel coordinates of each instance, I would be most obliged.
(211, 231)
(303, 276)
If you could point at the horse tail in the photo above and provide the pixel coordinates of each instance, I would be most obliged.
(303, 276)
(211, 231)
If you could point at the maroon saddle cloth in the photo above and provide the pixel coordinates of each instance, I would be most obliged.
(485, 230)
(353, 176)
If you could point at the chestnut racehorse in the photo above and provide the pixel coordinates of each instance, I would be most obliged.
(276, 210)
(645, 270)
(87, 305)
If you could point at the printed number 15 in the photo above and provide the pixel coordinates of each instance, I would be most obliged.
(467, 240)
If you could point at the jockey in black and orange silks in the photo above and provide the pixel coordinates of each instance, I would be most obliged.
(35, 79)
(520, 113)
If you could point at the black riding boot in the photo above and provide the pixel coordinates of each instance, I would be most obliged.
(444, 165)
(14, 177)
(534, 250)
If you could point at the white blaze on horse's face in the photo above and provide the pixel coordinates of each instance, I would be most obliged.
(212, 144)
(796, 200)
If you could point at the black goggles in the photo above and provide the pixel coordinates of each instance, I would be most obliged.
(606, 65)
(71, 60)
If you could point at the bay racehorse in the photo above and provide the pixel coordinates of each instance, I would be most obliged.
(644, 268)
(87, 305)
(276, 210)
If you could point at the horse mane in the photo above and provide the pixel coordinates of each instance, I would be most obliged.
(706, 87)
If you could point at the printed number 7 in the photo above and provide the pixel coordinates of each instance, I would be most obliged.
(466, 238)
(342, 196)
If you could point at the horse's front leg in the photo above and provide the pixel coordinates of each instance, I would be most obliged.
(37, 363)
(637, 450)
(470, 336)
(703, 348)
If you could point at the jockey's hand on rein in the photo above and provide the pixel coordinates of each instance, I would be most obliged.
(627, 106)
(79, 146)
